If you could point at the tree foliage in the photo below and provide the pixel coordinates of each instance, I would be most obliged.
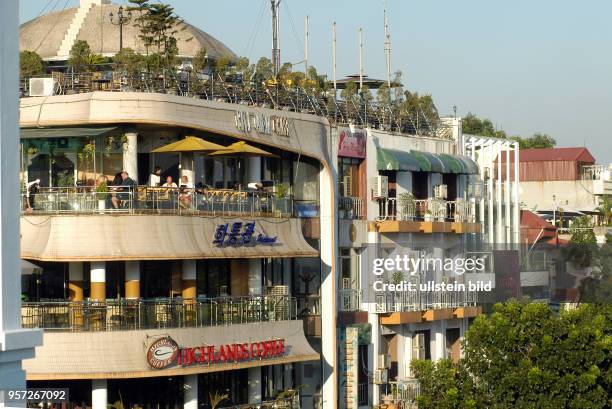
(597, 288)
(524, 356)
(82, 58)
(473, 125)
(129, 62)
(30, 64)
(537, 141)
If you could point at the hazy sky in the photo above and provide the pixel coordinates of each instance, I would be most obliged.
(528, 65)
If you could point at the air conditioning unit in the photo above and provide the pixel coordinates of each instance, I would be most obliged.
(384, 361)
(380, 187)
(347, 186)
(381, 376)
(42, 87)
(418, 346)
(441, 191)
(279, 290)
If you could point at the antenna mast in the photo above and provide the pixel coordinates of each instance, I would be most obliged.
(387, 47)
(275, 42)
(306, 34)
(360, 59)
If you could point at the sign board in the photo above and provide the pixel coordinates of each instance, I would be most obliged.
(262, 123)
(240, 234)
(165, 352)
(352, 144)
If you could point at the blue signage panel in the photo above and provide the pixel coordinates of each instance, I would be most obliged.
(240, 234)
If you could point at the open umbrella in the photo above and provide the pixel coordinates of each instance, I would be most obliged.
(242, 148)
(189, 144)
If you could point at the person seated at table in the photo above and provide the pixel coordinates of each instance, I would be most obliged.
(155, 178)
(124, 188)
(185, 192)
(169, 183)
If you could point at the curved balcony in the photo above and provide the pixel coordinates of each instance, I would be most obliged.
(124, 315)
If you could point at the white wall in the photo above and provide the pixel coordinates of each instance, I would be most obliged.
(571, 194)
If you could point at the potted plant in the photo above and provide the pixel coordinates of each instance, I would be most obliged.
(281, 192)
(101, 195)
(429, 216)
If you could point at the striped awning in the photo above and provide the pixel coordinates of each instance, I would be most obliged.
(415, 161)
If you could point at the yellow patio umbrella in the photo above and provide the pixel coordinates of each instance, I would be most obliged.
(242, 148)
(189, 144)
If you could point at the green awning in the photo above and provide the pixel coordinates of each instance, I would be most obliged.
(469, 166)
(391, 159)
(452, 164)
(430, 162)
(31, 133)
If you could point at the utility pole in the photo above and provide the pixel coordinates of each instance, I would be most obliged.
(387, 48)
(275, 42)
(360, 59)
(120, 21)
(334, 57)
(306, 34)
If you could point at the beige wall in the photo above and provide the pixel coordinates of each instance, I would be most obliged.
(571, 194)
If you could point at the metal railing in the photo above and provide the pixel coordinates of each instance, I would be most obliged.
(281, 403)
(595, 172)
(308, 304)
(350, 300)
(404, 301)
(143, 199)
(350, 207)
(358, 110)
(405, 392)
(362, 395)
(431, 209)
(124, 314)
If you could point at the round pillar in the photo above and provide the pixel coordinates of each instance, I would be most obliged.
(255, 384)
(99, 394)
(132, 279)
(130, 155)
(187, 167)
(190, 398)
(189, 279)
(98, 281)
(75, 281)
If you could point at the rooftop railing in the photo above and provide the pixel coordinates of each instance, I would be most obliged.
(357, 110)
(431, 209)
(124, 314)
(143, 199)
(595, 172)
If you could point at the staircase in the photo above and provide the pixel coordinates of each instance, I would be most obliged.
(74, 28)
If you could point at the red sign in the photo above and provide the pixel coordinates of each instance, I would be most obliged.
(211, 354)
(352, 144)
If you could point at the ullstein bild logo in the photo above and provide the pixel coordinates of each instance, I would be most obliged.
(165, 352)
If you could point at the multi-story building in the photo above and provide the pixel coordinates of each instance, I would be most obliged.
(252, 276)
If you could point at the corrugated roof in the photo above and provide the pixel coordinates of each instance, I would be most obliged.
(552, 154)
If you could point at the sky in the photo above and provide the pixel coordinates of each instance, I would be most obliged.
(530, 66)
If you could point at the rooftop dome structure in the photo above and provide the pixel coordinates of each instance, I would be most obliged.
(52, 35)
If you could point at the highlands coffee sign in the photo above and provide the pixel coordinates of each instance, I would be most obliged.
(165, 352)
(263, 123)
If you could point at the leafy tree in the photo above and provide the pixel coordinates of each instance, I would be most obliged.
(366, 95)
(30, 64)
(200, 60)
(537, 141)
(221, 65)
(605, 209)
(263, 69)
(383, 95)
(81, 57)
(583, 243)
(524, 356)
(598, 287)
(473, 125)
(129, 62)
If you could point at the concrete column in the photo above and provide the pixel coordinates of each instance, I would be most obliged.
(132, 279)
(15, 343)
(439, 340)
(98, 281)
(373, 351)
(75, 281)
(253, 170)
(255, 385)
(130, 155)
(191, 392)
(516, 222)
(189, 279)
(255, 278)
(498, 199)
(99, 394)
(186, 167)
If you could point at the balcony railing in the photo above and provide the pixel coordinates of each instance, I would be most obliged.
(363, 395)
(350, 300)
(232, 89)
(282, 403)
(595, 172)
(121, 315)
(350, 207)
(404, 301)
(405, 392)
(426, 210)
(145, 199)
(308, 304)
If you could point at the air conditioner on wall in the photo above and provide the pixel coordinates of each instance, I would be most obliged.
(381, 376)
(42, 87)
(441, 191)
(380, 187)
(384, 361)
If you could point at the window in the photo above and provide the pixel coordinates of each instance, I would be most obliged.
(348, 177)
(213, 278)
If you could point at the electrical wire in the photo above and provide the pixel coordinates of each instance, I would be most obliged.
(53, 26)
(298, 41)
(248, 48)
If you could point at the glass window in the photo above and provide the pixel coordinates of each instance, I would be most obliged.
(213, 278)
